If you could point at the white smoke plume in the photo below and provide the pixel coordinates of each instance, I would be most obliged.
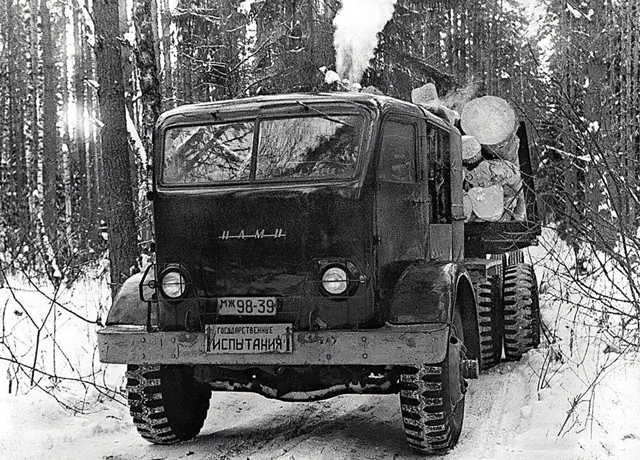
(458, 98)
(357, 25)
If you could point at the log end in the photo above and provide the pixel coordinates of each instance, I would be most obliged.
(490, 119)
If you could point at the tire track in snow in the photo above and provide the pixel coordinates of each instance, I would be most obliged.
(343, 427)
(246, 426)
(492, 413)
(356, 427)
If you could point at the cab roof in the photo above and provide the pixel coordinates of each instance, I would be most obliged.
(374, 102)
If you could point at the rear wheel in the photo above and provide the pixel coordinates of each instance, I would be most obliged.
(167, 404)
(488, 301)
(521, 311)
(432, 398)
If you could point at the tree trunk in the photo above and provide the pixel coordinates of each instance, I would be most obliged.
(121, 229)
(167, 46)
(80, 163)
(50, 132)
(36, 84)
(95, 178)
(487, 203)
(17, 84)
(68, 151)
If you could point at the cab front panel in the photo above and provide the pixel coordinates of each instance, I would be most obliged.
(266, 245)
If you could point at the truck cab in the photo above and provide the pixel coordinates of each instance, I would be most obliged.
(308, 246)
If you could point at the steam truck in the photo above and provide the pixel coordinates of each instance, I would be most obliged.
(311, 245)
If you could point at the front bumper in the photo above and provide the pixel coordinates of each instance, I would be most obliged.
(389, 345)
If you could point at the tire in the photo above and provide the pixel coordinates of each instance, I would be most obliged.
(488, 301)
(432, 419)
(167, 404)
(521, 311)
(515, 257)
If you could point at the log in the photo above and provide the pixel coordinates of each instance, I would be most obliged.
(492, 172)
(467, 207)
(427, 97)
(515, 206)
(507, 150)
(471, 150)
(487, 202)
(425, 94)
(493, 122)
(489, 118)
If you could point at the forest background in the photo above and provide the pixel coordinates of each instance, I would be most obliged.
(82, 83)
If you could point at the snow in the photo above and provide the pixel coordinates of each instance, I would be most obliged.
(574, 398)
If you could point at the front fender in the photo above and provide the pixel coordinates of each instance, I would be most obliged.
(128, 307)
(426, 293)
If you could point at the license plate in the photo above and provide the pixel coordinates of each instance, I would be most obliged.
(248, 338)
(247, 306)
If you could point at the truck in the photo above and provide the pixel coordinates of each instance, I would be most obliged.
(312, 245)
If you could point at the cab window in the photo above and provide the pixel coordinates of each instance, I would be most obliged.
(326, 146)
(398, 152)
(438, 147)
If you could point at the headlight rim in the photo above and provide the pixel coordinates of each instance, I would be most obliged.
(185, 282)
(326, 270)
(354, 278)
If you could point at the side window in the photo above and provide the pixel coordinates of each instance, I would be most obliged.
(398, 152)
(439, 174)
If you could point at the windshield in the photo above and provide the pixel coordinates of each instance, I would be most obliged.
(302, 148)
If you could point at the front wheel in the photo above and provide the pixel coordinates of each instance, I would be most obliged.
(167, 404)
(432, 398)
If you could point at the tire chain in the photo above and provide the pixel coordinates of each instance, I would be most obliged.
(521, 311)
(147, 406)
(422, 397)
(489, 322)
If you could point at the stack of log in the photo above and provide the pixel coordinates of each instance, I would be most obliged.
(493, 190)
(493, 186)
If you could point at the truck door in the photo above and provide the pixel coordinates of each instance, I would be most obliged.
(401, 199)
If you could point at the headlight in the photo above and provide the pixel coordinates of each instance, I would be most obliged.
(173, 283)
(335, 281)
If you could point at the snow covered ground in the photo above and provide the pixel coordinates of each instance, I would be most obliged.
(544, 407)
